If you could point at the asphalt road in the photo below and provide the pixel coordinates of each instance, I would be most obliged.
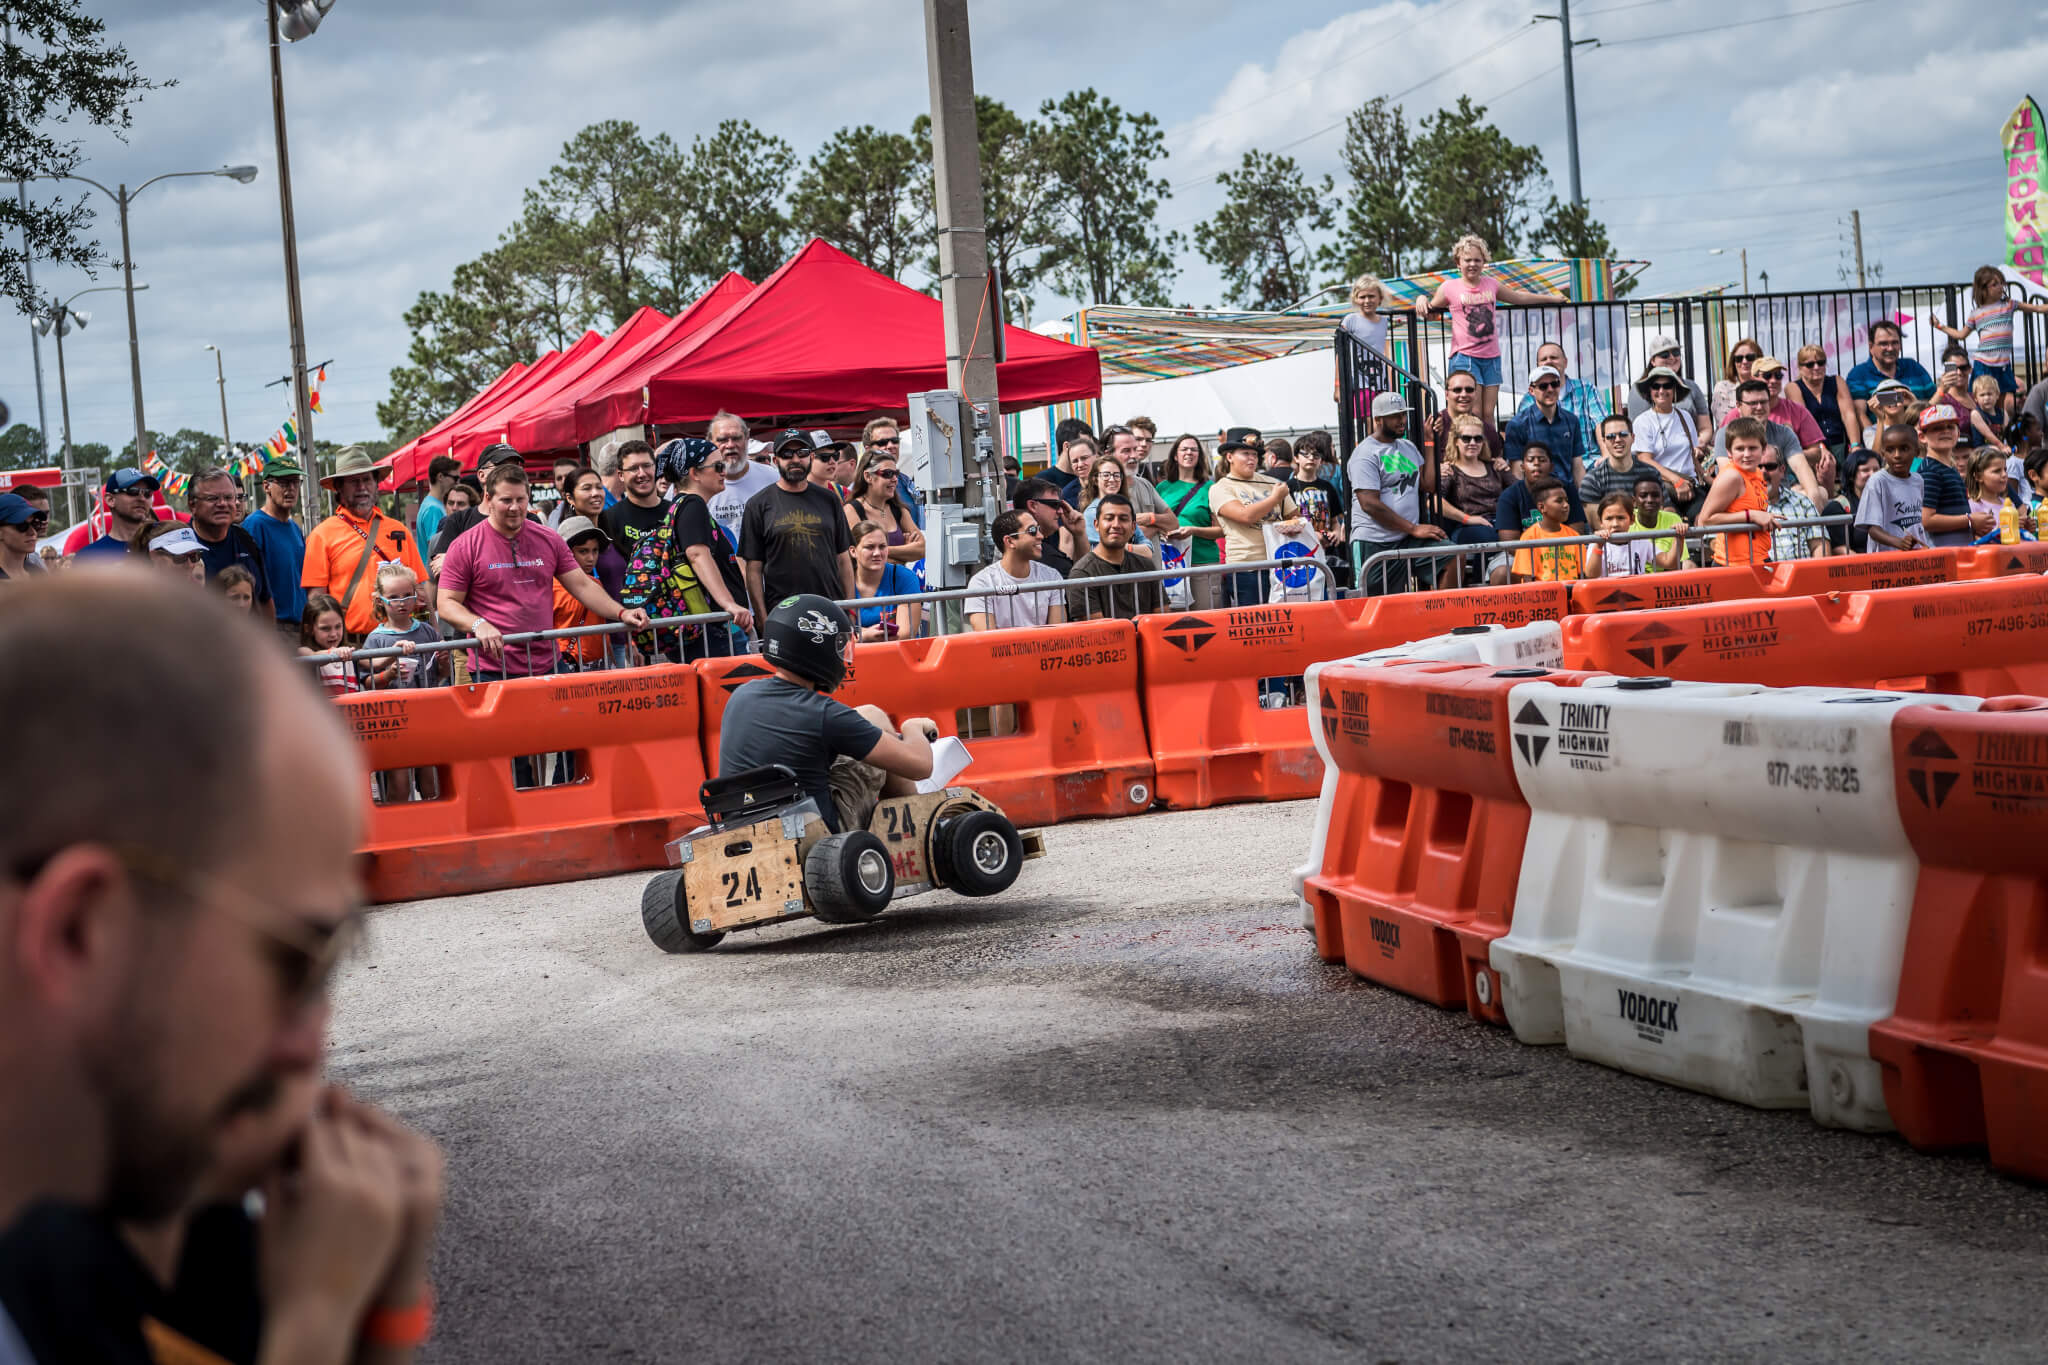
(1119, 1113)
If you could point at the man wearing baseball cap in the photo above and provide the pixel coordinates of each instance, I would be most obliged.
(344, 551)
(282, 541)
(1945, 500)
(793, 534)
(1388, 476)
(455, 523)
(129, 498)
(1543, 421)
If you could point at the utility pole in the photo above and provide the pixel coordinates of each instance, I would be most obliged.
(1563, 20)
(28, 265)
(973, 312)
(220, 377)
(1856, 231)
(300, 399)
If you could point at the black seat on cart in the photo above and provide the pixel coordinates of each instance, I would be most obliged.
(756, 794)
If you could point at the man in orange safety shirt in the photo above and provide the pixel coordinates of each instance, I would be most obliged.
(343, 552)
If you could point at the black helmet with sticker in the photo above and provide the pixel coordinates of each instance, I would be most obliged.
(810, 636)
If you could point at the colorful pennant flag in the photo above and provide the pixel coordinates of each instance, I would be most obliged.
(313, 396)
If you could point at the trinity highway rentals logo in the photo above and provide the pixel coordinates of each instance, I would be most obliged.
(1931, 778)
(1652, 646)
(1189, 633)
(1344, 713)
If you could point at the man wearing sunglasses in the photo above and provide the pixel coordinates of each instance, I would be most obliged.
(166, 948)
(1545, 422)
(18, 532)
(1788, 503)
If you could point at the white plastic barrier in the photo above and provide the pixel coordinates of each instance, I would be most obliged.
(1537, 645)
(1715, 888)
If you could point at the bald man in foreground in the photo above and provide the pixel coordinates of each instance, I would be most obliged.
(172, 910)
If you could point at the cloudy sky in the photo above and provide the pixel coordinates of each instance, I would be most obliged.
(416, 124)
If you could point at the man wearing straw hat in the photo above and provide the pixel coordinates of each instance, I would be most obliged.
(343, 552)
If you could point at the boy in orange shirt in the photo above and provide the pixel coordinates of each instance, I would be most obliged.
(1741, 493)
(1560, 563)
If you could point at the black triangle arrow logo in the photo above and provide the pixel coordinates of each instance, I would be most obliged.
(1532, 747)
(1930, 744)
(740, 675)
(1531, 714)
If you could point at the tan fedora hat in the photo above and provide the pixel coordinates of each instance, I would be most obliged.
(354, 460)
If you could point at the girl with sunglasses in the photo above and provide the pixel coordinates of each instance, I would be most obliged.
(1741, 356)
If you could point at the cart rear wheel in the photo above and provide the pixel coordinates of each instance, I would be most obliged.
(667, 919)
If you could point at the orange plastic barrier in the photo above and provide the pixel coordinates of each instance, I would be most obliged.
(1068, 739)
(1965, 1053)
(2002, 561)
(1427, 827)
(1212, 741)
(1980, 638)
(1794, 578)
(637, 763)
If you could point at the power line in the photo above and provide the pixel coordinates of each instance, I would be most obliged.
(1768, 185)
(1616, 9)
(1740, 23)
(1345, 61)
(1920, 198)
(1550, 70)
(1398, 94)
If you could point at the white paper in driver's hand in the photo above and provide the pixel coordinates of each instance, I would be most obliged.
(949, 758)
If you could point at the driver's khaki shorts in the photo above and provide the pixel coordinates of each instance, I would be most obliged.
(856, 791)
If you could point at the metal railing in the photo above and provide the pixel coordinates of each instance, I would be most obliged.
(852, 605)
(1607, 344)
(1453, 551)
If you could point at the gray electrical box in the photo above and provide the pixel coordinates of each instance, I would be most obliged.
(941, 434)
(952, 544)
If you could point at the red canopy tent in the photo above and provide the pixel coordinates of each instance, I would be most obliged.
(467, 438)
(410, 460)
(556, 425)
(825, 335)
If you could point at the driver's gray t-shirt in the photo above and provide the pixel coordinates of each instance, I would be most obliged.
(773, 721)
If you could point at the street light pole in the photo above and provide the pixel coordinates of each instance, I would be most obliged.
(1563, 20)
(134, 342)
(122, 198)
(301, 404)
(58, 320)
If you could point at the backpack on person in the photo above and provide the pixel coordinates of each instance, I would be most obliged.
(661, 580)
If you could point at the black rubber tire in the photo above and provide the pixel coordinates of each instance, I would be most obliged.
(976, 853)
(662, 914)
(848, 877)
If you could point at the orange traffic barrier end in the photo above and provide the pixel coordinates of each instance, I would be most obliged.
(633, 767)
(1965, 1052)
(1427, 825)
(1222, 691)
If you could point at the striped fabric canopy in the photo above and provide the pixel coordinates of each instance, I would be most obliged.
(1161, 343)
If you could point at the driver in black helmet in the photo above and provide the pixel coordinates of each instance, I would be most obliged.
(847, 758)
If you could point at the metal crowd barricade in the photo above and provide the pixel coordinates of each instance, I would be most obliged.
(1008, 589)
(1453, 552)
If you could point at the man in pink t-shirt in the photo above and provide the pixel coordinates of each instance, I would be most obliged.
(499, 576)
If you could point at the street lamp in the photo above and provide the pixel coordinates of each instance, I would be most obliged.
(293, 21)
(59, 318)
(122, 197)
(220, 376)
(1722, 251)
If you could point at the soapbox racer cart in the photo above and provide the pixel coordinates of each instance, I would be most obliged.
(767, 857)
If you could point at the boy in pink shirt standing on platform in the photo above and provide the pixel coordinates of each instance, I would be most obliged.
(1471, 300)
